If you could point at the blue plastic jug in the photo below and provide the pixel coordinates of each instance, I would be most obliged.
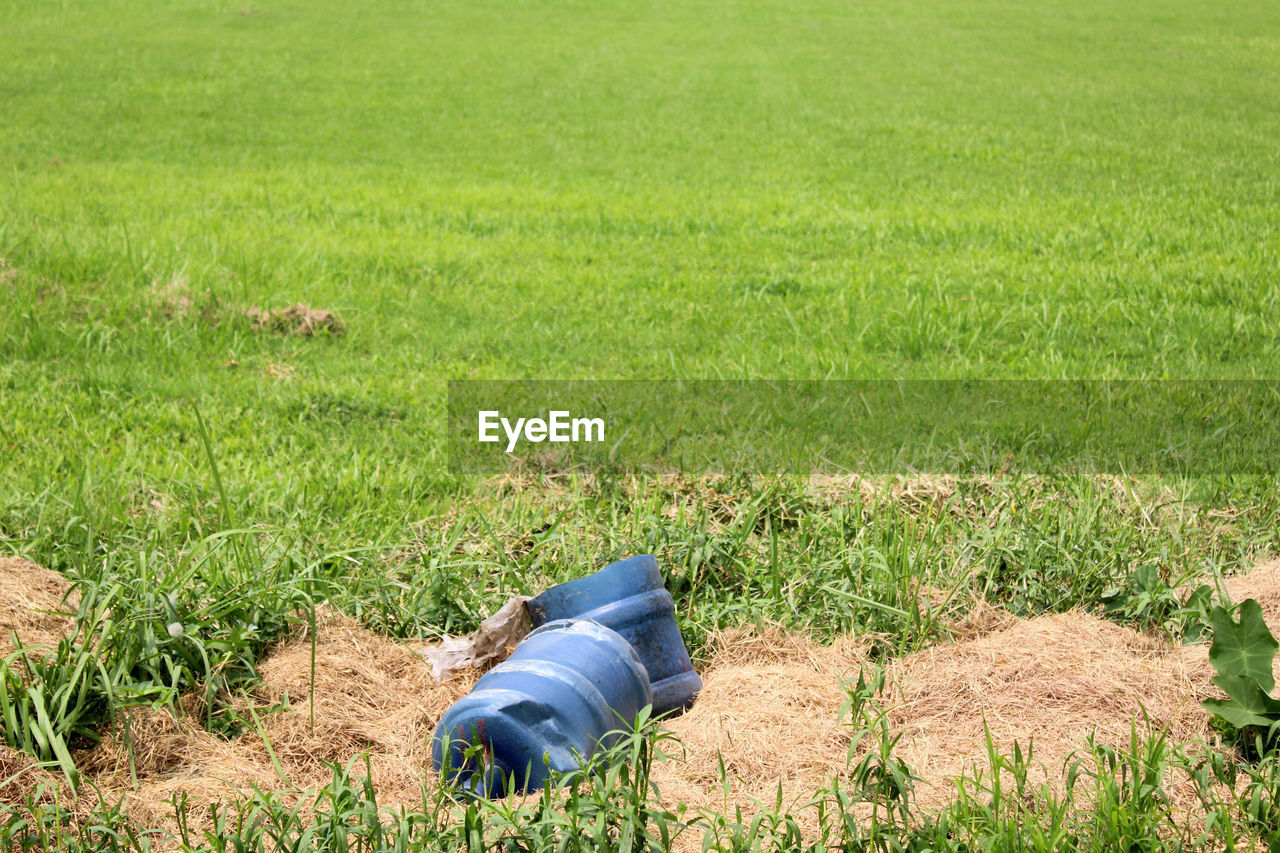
(629, 597)
(568, 688)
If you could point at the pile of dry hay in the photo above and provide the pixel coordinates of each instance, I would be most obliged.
(372, 696)
(770, 706)
(35, 604)
(769, 710)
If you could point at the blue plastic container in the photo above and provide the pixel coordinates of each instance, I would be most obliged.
(567, 689)
(629, 597)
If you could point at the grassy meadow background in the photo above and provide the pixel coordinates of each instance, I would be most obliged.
(733, 190)
(557, 190)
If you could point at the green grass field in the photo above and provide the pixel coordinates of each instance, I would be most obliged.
(966, 189)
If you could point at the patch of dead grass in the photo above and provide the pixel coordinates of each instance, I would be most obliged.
(280, 371)
(173, 299)
(296, 319)
(21, 778)
(35, 604)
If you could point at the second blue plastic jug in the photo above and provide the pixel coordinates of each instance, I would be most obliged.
(629, 597)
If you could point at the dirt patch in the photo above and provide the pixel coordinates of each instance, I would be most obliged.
(297, 319)
(174, 299)
(35, 603)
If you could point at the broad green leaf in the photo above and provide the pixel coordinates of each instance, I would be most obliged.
(1248, 707)
(1245, 648)
(1242, 653)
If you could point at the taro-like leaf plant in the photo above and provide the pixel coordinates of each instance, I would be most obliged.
(1242, 653)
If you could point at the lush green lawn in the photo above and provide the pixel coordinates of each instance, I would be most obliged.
(593, 190)
(812, 189)
(749, 189)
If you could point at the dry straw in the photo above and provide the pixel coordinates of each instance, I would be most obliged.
(35, 604)
(372, 696)
(769, 711)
